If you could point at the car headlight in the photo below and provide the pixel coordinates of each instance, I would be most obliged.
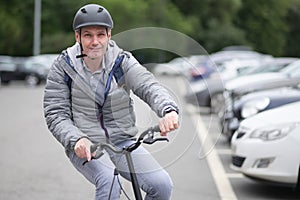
(255, 106)
(276, 132)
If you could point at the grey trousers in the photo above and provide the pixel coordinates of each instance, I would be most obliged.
(152, 178)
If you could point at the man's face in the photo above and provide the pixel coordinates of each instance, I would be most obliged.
(94, 40)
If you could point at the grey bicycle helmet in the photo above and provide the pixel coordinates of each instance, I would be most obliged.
(92, 14)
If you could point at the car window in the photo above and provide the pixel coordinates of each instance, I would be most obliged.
(7, 66)
(293, 70)
(243, 70)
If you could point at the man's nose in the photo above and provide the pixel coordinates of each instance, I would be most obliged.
(95, 40)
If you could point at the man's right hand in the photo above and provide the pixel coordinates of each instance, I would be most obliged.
(82, 148)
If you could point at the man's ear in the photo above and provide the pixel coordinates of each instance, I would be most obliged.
(109, 34)
(76, 34)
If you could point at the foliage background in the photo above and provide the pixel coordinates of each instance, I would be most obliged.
(267, 26)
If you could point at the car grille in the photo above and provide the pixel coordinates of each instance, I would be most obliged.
(238, 161)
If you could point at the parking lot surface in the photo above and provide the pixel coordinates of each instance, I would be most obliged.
(33, 164)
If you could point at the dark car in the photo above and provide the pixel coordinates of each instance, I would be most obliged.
(244, 105)
(33, 70)
(11, 68)
(6, 64)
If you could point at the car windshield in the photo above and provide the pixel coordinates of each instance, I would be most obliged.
(268, 67)
(178, 60)
(293, 70)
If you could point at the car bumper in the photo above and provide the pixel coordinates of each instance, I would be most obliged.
(267, 160)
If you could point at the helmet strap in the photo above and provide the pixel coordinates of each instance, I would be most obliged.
(81, 48)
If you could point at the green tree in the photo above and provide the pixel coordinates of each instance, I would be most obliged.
(264, 23)
(292, 47)
(215, 28)
(57, 18)
(268, 26)
(16, 27)
(57, 31)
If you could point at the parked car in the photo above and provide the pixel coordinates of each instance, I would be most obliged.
(209, 92)
(202, 68)
(274, 65)
(289, 67)
(267, 146)
(205, 93)
(235, 89)
(39, 67)
(221, 57)
(236, 67)
(264, 72)
(11, 68)
(33, 70)
(250, 104)
(6, 65)
(176, 67)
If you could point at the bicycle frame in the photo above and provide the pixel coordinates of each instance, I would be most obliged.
(98, 148)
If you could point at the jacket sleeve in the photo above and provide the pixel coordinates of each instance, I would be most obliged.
(145, 86)
(57, 107)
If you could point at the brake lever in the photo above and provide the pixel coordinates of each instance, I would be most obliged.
(95, 149)
(150, 140)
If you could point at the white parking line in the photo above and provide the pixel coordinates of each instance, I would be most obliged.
(224, 151)
(235, 175)
(220, 177)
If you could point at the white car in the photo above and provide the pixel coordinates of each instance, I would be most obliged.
(267, 145)
(233, 68)
(177, 66)
(291, 66)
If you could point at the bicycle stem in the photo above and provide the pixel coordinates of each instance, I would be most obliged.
(134, 180)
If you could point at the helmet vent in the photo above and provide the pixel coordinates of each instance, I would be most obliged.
(100, 10)
(83, 10)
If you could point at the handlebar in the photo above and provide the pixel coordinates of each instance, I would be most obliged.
(98, 148)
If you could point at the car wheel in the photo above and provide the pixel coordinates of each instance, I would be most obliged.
(217, 103)
(32, 80)
(5, 82)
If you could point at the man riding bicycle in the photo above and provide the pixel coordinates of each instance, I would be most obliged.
(87, 100)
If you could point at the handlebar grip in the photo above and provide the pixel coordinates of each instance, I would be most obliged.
(156, 128)
(93, 148)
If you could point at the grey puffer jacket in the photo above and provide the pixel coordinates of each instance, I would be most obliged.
(73, 113)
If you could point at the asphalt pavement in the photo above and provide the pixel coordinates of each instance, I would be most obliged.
(33, 164)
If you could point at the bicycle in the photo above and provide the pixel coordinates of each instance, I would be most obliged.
(150, 139)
